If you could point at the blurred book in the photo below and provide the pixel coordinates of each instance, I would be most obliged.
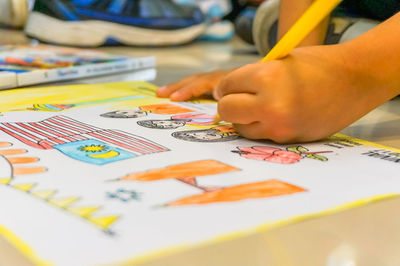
(23, 65)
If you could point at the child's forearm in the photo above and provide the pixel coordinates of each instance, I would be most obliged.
(376, 54)
(290, 12)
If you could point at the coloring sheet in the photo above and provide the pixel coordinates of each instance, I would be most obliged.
(112, 168)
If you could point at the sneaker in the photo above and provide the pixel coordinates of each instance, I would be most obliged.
(13, 12)
(130, 22)
(265, 26)
(214, 10)
(244, 24)
(341, 28)
(220, 31)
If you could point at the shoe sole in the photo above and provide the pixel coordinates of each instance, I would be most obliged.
(357, 28)
(267, 14)
(14, 12)
(92, 33)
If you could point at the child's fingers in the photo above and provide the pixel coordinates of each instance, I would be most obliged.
(238, 108)
(238, 81)
(166, 91)
(191, 90)
(266, 130)
(253, 130)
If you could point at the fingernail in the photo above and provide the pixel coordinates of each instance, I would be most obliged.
(161, 89)
(175, 96)
(216, 95)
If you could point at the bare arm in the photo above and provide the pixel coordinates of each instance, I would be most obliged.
(315, 91)
(290, 11)
(196, 85)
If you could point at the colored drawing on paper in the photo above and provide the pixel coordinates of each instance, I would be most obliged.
(124, 195)
(161, 109)
(305, 153)
(62, 107)
(193, 182)
(259, 190)
(215, 134)
(195, 119)
(81, 141)
(12, 167)
(116, 95)
(93, 151)
(165, 109)
(185, 172)
(189, 172)
(178, 121)
(131, 113)
(69, 204)
(161, 124)
(275, 155)
(39, 57)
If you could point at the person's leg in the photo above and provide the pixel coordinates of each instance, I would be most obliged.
(370, 9)
(350, 20)
(265, 26)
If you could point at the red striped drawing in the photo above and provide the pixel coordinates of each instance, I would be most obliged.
(81, 141)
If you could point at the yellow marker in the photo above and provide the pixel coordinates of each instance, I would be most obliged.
(319, 10)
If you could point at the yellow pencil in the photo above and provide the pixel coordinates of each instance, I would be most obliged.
(319, 10)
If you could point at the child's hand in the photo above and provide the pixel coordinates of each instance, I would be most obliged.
(192, 86)
(311, 94)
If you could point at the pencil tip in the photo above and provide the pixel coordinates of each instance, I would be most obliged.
(217, 119)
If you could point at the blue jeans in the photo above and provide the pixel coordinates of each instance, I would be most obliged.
(373, 9)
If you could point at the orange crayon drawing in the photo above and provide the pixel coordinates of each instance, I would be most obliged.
(5, 144)
(264, 189)
(189, 172)
(12, 152)
(165, 109)
(185, 172)
(13, 167)
(142, 111)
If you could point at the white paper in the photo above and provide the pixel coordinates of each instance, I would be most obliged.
(56, 211)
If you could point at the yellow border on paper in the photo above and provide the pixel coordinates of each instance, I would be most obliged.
(22, 247)
(29, 254)
(367, 143)
(259, 229)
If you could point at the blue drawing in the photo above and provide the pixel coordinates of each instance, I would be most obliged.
(124, 195)
(93, 152)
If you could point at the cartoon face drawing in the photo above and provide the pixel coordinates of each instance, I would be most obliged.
(133, 113)
(196, 119)
(161, 124)
(178, 121)
(207, 135)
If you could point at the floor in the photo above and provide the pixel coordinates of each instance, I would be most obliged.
(367, 235)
